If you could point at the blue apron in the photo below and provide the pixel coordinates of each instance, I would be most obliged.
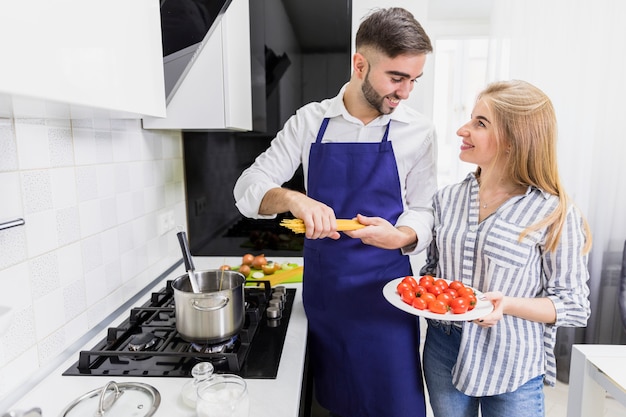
(364, 352)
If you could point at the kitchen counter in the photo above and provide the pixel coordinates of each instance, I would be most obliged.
(278, 397)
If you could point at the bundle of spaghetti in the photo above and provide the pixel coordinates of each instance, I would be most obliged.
(297, 225)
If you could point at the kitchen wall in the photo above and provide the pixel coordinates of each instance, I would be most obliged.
(92, 193)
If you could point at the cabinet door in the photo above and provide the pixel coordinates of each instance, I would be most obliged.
(83, 53)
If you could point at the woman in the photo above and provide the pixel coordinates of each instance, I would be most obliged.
(509, 231)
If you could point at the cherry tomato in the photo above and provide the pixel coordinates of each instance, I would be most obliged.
(450, 291)
(408, 296)
(402, 286)
(411, 281)
(455, 285)
(472, 300)
(426, 279)
(441, 283)
(420, 290)
(428, 297)
(438, 307)
(459, 305)
(433, 289)
(419, 303)
(446, 298)
(464, 291)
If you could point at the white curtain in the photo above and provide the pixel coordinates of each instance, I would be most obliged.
(575, 50)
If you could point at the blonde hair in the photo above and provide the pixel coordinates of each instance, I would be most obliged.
(526, 127)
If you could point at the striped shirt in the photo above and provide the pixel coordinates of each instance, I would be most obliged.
(488, 256)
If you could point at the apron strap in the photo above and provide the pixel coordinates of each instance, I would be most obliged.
(324, 125)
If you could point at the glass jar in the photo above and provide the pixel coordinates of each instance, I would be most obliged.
(200, 372)
(223, 396)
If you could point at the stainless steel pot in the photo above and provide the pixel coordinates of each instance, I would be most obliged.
(216, 313)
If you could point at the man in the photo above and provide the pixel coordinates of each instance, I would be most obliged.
(365, 155)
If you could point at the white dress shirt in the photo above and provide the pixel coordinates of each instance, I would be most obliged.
(414, 144)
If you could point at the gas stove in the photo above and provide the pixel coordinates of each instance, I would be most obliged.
(147, 344)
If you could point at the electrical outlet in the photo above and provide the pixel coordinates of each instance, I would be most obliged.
(200, 204)
(165, 222)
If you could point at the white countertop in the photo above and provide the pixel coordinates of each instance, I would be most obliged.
(278, 397)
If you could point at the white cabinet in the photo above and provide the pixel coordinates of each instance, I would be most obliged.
(76, 58)
(216, 93)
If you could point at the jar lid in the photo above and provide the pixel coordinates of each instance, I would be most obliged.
(124, 399)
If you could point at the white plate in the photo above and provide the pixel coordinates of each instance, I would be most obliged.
(482, 308)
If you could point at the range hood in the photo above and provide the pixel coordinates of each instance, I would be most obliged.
(214, 90)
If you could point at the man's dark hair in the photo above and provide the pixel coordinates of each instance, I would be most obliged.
(393, 31)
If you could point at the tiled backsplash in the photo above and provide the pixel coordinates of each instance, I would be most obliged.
(90, 192)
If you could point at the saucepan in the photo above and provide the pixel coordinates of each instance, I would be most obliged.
(215, 313)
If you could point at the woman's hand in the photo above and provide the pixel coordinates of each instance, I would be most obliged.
(382, 234)
(491, 319)
(539, 309)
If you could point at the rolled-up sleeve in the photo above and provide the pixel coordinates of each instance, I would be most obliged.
(420, 187)
(271, 169)
(567, 274)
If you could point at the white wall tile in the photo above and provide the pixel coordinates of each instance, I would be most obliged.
(122, 182)
(87, 183)
(61, 146)
(21, 333)
(16, 290)
(124, 207)
(12, 246)
(138, 203)
(44, 274)
(120, 147)
(90, 218)
(36, 191)
(106, 180)
(74, 299)
(108, 211)
(49, 313)
(70, 263)
(8, 147)
(85, 150)
(19, 370)
(41, 233)
(113, 276)
(92, 253)
(11, 206)
(51, 346)
(95, 286)
(110, 245)
(104, 146)
(32, 144)
(68, 225)
(89, 192)
(135, 176)
(63, 182)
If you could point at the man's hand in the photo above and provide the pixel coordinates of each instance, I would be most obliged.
(319, 219)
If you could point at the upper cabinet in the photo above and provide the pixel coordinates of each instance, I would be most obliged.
(216, 92)
(81, 58)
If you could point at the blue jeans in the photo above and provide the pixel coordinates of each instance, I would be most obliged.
(440, 352)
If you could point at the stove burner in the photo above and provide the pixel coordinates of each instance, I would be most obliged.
(142, 342)
(147, 343)
(214, 348)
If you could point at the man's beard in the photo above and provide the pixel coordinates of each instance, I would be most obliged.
(373, 98)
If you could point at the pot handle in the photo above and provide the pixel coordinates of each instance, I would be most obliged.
(222, 303)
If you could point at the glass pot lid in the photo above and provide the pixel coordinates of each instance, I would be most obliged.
(124, 399)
